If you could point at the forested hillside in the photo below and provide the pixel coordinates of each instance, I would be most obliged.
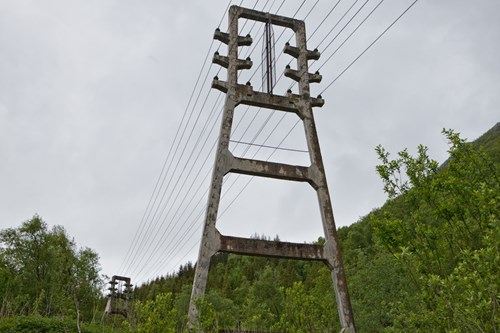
(427, 261)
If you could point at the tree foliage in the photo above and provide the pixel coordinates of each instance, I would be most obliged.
(427, 261)
(444, 229)
(42, 272)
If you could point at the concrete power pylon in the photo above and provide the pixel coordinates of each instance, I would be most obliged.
(301, 104)
(119, 297)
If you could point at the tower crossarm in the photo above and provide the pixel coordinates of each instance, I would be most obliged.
(296, 76)
(224, 37)
(278, 249)
(224, 62)
(271, 170)
(295, 52)
(244, 94)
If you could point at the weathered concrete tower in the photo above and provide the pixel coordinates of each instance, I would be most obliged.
(119, 298)
(301, 104)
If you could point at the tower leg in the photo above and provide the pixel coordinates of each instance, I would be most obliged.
(199, 284)
(210, 241)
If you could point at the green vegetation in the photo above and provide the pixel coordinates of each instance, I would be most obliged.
(443, 228)
(427, 261)
(39, 324)
(44, 275)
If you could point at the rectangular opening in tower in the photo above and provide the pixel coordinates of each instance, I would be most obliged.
(268, 135)
(253, 206)
(266, 53)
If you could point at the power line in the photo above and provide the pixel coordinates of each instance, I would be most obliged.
(345, 25)
(280, 36)
(324, 19)
(192, 183)
(354, 31)
(331, 30)
(135, 241)
(369, 46)
(168, 200)
(154, 224)
(272, 147)
(336, 24)
(323, 90)
(228, 189)
(252, 177)
(141, 224)
(230, 204)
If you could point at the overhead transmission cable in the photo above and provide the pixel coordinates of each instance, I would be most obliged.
(362, 52)
(324, 19)
(345, 25)
(369, 46)
(309, 12)
(327, 14)
(169, 155)
(202, 211)
(231, 202)
(282, 3)
(141, 224)
(174, 154)
(176, 183)
(349, 36)
(299, 7)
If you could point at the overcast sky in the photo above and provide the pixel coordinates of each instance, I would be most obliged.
(92, 94)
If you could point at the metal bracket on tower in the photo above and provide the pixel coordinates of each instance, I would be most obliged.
(301, 104)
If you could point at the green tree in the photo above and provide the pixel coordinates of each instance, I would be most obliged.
(263, 302)
(156, 316)
(442, 224)
(44, 273)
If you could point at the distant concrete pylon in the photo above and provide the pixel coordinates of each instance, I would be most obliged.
(301, 104)
(119, 297)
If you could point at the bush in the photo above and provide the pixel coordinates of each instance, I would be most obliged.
(39, 324)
